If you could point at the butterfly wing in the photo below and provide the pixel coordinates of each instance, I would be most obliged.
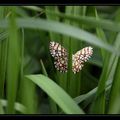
(60, 56)
(61, 64)
(80, 57)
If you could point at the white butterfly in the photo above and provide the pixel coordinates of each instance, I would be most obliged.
(60, 56)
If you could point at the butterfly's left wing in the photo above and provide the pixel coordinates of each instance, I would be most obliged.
(80, 57)
(60, 56)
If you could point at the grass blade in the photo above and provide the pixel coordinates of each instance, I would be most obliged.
(29, 100)
(13, 63)
(83, 97)
(90, 21)
(114, 107)
(3, 54)
(63, 29)
(98, 105)
(114, 94)
(64, 101)
(108, 72)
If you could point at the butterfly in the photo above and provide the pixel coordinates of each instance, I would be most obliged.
(60, 55)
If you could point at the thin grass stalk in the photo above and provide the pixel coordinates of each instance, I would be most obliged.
(53, 106)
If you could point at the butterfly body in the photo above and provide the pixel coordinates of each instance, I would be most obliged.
(60, 56)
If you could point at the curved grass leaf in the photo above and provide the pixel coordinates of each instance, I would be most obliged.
(61, 28)
(90, 21)
(83, 97)
(64, 101)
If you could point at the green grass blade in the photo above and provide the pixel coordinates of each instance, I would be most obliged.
(100, 34)
(114, 107)
(63, 29)
(99, 103)
(90, 21)
(108, 72)
(4, 47)
(21, 12)
(53, 36)
(20, 90)
(26, 87)
(64, 101)
(3, 54)
(83, 97)
(114, 94)
(33, 8)
(29, 98)
(12, 63)
(43, 68)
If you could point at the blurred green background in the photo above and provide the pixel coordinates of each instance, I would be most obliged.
(29, 82)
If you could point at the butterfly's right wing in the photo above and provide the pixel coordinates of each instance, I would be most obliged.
(60, 56)
(80, 57)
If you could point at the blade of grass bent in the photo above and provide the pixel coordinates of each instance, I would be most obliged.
(91, 21)
(64, 101)
(63, 29)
